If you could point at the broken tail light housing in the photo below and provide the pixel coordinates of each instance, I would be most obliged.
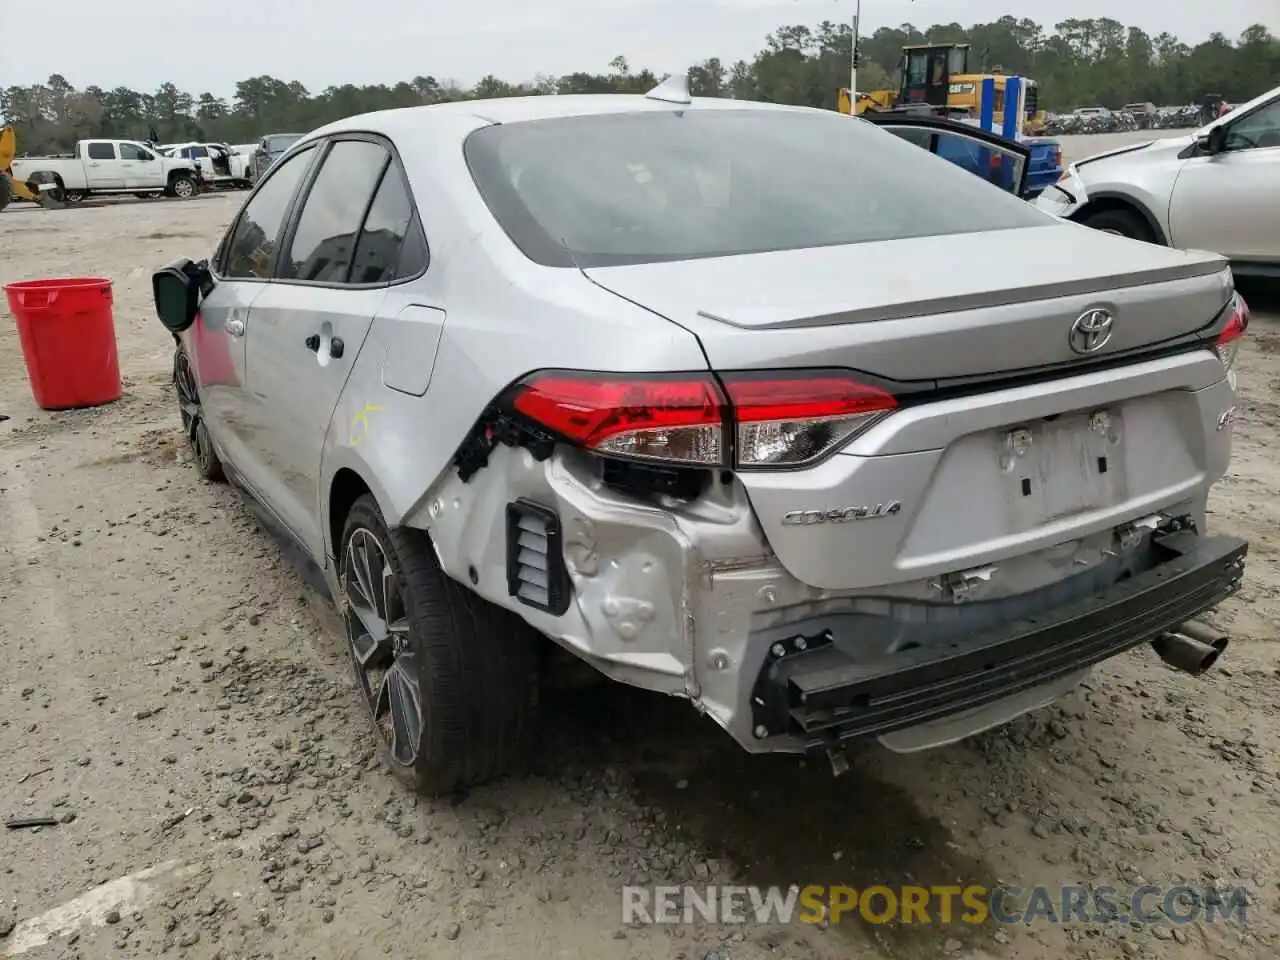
(790, 421)
(1227, 345)
(672, 418)
(741, 420)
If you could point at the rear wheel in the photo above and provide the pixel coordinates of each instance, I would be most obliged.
(450, 680)
(193, 425)
(74, 196)
(1122, 223)
(6, 191)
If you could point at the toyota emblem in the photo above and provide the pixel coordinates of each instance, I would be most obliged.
(1091, 331)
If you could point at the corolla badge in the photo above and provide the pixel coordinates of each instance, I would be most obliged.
(809, 518)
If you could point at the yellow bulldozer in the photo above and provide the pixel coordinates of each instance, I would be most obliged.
(937, 75)
(10, 187)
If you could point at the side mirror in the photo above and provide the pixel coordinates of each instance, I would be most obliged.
(177, 290)
(1215, 141)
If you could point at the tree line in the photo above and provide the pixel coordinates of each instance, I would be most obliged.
(1078, 63)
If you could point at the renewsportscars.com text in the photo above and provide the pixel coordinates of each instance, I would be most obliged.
(816, 904)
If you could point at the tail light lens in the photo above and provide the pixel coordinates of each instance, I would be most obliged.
(790, 422)
(775, 420)
(678, 419)
(1228, 343)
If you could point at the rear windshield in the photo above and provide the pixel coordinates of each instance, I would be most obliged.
(282, 142)
(647, 187)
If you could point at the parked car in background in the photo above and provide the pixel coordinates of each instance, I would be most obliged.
(1216, 189)
(1143, 113)
(747, 404)
(1026, 166)
(111, 167)
(269, 149)
(219, 165)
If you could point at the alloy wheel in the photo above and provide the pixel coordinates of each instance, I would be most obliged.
(193, 425)
(378, 638)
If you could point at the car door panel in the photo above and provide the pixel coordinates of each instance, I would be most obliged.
(297, 371)
(244, 264)
(1227, 203)
(151, 172)
(994, 158)
(216, 345)
(141, 167)
(102, 167)
(307, 329)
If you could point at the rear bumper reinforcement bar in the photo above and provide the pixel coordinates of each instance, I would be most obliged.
(825, 697)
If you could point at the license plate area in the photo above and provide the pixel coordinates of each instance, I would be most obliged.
(1058, 468)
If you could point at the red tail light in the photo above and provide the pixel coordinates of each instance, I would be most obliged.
(777, 420)
(791, 421)
(1228, 343)
(678, 418)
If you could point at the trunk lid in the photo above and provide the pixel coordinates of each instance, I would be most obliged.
(1003, 466)
(930, 308)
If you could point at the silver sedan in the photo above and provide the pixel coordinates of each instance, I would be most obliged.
(758, 406)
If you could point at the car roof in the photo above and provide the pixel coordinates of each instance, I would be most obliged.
(415, 120)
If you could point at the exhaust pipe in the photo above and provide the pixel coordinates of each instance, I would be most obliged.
(1193, 648)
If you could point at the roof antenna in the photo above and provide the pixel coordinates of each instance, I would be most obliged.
(673, 89)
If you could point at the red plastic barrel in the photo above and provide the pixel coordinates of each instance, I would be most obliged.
(68, 338)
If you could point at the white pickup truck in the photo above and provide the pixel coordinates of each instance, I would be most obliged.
(110, 167)
(220, 165)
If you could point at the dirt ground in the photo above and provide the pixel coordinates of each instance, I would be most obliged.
(176, 699)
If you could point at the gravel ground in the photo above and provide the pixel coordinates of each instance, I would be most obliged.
(174, 697)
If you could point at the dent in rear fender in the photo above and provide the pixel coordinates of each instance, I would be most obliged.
(378, 432)
(630, 564)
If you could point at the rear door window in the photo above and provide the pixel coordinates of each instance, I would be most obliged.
(325, 239)
(382, 253)
(102, 151)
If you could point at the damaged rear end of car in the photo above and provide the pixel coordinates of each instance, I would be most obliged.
(931, 474)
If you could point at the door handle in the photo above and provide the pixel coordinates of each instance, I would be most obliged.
(312, 343)
(235, 327)
(336, 346)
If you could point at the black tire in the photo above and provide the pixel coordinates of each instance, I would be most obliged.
(6, 190)
(74, 196)
(193, 426)
(183, 187)
(474, 665)
(1126, 223)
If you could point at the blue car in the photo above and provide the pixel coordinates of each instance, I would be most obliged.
(1045, 166)
(1025, 167)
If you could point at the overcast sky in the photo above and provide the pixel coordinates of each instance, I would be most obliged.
(210, 44)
